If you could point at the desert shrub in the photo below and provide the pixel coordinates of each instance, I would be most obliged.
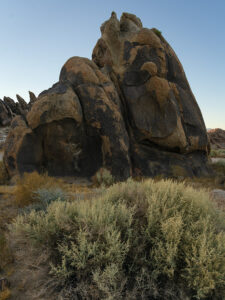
(4, 177)
(217, 153)
(213, 153)
(44, 197)
(137, 240)
(103, 177)
(5, 294)
(27, 186)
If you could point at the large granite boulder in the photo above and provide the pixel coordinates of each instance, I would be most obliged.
(130, 110)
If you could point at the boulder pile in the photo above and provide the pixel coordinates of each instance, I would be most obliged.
(9, 108)
(130, 109)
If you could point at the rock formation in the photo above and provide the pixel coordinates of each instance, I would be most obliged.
(9, 108)
(6, 114)
(217, 138)
(33, 99)
(130, 110)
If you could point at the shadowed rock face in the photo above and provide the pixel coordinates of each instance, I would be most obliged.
(130, 110)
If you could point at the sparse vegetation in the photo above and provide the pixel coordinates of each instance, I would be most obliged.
(138, 240)
(217, 153)
(103, 177)
(27, 186)
(5, 294)
(44, 197)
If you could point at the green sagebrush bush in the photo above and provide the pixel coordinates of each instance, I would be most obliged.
(103, 177)
(43, 197)
(138, 240)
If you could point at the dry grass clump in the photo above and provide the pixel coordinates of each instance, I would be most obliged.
(137, 240)
(5, 294)
(28, 185)
(103, 177)
(4, 177)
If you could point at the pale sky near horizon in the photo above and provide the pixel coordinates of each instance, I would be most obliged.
(38, 36)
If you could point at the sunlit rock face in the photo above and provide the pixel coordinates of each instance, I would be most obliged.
(130, 110)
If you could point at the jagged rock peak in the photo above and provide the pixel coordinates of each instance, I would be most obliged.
(13, 108)
(33, 98)
(22, 102)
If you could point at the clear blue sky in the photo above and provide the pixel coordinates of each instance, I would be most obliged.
(38, 36)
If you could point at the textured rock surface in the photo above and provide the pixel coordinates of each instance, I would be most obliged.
(130, 110)
(9, 108)
(217, 138)
(22, 104)
(6, 114)
(33, 99)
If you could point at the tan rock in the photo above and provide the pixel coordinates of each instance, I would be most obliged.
(54, 107)
(150, 67)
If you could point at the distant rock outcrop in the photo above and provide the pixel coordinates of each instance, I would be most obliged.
(9, 108)
(6, 114)
(217, 138)
(130, 110)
